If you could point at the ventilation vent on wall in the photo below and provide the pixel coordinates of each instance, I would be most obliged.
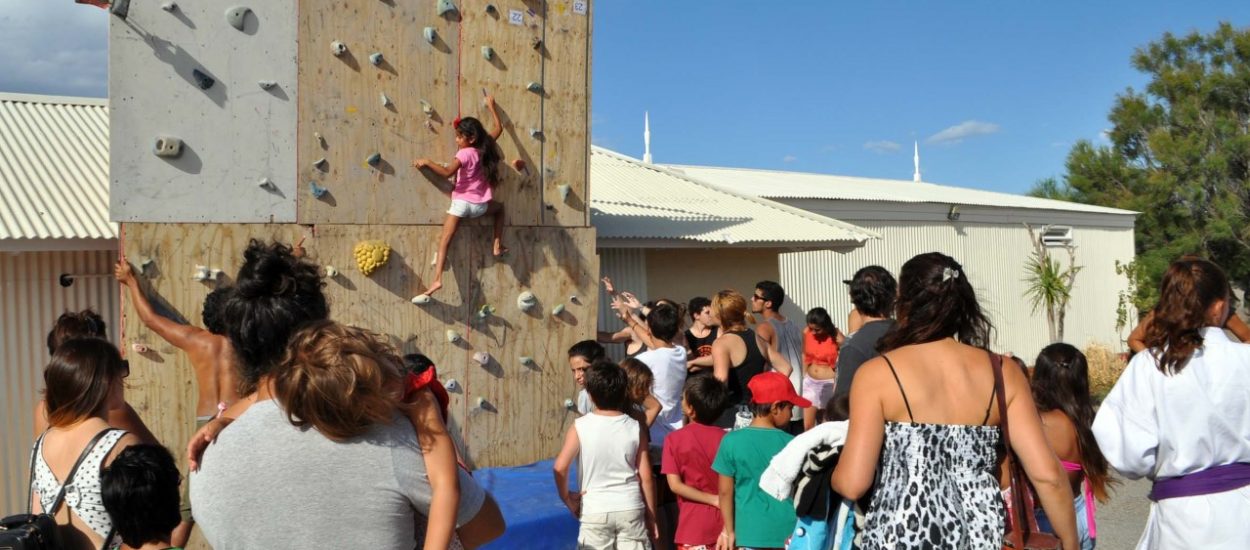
(1057, 235)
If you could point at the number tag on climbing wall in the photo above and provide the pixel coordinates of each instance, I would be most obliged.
(516, 17)
(579, 7)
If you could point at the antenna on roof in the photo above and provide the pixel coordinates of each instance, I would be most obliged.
(646, 137)
(916, 159)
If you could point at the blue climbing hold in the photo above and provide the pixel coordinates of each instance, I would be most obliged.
(317, 190)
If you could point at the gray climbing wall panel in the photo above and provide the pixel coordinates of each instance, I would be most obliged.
(235, 133)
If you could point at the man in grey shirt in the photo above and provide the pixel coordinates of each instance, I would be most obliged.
(268, 484)
(782, 335)
(872, 290)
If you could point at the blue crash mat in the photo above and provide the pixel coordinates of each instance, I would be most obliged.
(537, 519)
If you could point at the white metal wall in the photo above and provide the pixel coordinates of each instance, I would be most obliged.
(993, 256)
(628, 269)
(31, 299)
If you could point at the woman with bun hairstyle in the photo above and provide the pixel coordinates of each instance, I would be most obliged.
(925, 426)
(1180, 415)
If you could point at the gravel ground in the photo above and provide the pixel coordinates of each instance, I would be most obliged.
(1120, 522)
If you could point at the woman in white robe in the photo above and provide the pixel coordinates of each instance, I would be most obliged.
(1180, 416)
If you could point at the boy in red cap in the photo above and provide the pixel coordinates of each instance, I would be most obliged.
(752, 517)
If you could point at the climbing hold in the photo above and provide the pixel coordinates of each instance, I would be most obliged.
(214, 274)
(564, 190)
(482, 357)
(375, 58)
(429, 34)
(317, 190)
(453, 336)
(488, 53)
(120, 8)
(452, 385)
(534, 87)
(519, 165)
(445, 7)
(139, 348)
(265, 183)
(481, 402)
(331, 271)
(145, 264)
(527, 361)
(167, 147)
(485, 311)
(320, 164)
(374, 159)
(267, 84)
(421, 299)
(427, 108)
(201, 273)
(556, 311)
(526, 300)
(337, 48)
(202, 80)
(573, 298)
(536, 43)
(490, 8)
(370, 255)
(386, 101)
(429, 125)
(569, 404)
(236, 15)
(169, 6)
(536, 133)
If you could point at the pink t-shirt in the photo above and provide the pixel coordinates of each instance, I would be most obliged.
(689, 452)
(471, 184)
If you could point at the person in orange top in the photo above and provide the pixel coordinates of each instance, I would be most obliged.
(820, 356)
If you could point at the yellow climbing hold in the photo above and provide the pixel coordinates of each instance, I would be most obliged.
(370, 255)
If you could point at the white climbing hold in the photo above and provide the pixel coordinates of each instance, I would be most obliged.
(488, 53)
(237, 15)
(536, 133)
(427, 108)
(569, 404)
(534, 87)
(429, 34)
(139, 348)
(331, 271)
(386, 101)
(564, 190)
(267, 84)
(320, 163)
(556, 311)
(573, 298)
(317, 136)
(169, 6)
(526, 300)
(167, 147)
(374, 159)
(375, 58)
(485, 311)
(445, 7)
(482, 357)
(527, 361)
(267, 184)
(421, 299)
(337, 48)
(214, 274)
(452, 385)
(453, 336)
(201, 273)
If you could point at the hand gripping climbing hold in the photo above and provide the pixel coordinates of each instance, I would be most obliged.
(237, 15)
(337, 48)
(453, 337)
(526, 300)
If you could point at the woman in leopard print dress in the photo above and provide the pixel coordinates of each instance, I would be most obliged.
(924, 425)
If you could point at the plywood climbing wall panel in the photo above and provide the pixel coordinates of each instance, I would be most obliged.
(508, 31)
(523, 404)
(187, 74)
(566, 113)
(344, 119)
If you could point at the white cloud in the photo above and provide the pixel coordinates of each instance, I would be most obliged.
(53, 47)
(1105, 135)
(789, 158)
(965, 129)
(882, 146)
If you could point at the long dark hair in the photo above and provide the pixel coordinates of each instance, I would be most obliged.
(1188, 289)
(79, 377)
(935, 300)
(478, 138)
(819, 316)
(1060, 382)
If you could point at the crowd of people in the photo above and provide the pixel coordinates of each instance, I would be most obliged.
(725, 425)
(753, 431)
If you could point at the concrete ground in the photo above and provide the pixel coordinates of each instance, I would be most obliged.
(1120, 521)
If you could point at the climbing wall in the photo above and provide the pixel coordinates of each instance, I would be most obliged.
(316, 111)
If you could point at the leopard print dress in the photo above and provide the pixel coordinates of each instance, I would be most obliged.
(936, 487)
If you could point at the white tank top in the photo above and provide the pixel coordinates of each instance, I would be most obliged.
(609, 463)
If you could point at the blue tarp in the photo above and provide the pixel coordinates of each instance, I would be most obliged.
(536, 517)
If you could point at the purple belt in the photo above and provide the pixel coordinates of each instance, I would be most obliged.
(1217, 479)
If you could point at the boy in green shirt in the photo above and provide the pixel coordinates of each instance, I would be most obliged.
(753, 518)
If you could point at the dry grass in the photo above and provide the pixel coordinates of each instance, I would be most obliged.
(1105, 367)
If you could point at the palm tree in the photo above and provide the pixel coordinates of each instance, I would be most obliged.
(1050, 284)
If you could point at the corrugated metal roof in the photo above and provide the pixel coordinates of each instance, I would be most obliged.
(54, 168)
(630, 199)
(800, 185)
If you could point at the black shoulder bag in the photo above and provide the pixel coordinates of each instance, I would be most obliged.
(31, 531)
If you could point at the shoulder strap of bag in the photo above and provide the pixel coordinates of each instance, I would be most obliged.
(60, 496)
(1017, 491)
(30, 487)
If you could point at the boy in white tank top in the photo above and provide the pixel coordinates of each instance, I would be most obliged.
(616, 505)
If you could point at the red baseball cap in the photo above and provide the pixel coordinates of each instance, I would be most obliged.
(771, 387)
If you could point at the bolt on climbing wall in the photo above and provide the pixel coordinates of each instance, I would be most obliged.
(233, 122)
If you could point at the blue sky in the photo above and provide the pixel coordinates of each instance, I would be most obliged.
(837, 87)
(846, 87)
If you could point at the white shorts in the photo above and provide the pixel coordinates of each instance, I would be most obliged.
(465, 209)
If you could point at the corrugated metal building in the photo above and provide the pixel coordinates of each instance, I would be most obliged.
(982, 230)
(53, 221)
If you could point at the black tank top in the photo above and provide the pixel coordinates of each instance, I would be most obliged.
(701, 347)
(739, 375)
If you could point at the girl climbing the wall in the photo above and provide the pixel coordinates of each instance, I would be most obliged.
(476, 168)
